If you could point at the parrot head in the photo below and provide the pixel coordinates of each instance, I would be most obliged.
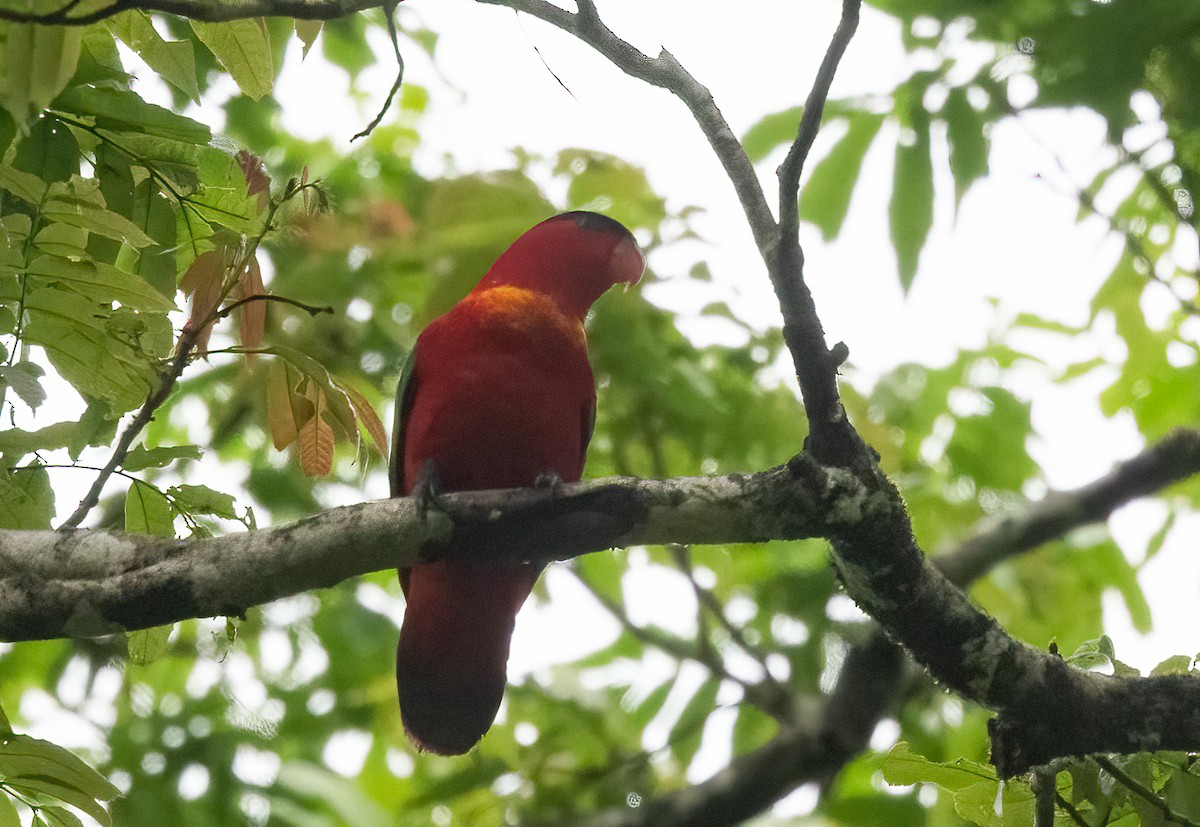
(573, 257)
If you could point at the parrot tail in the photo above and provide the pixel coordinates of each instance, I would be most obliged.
(451, 663)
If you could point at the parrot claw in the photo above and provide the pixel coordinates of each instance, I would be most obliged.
(550, 480)
(428, 489)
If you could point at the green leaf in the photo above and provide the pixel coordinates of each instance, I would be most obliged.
(173, 60)
(37, 62)
(1182, 794)
(772, 131)
(57, 817)
(200, 499)
(687, 731)
(825, 199)
(968, 144)
(307, 31)
(902, 767)
(49, 151)
(24, 757)
(28, 187)
(79, 203)
(53, 788)
(62, 240)
(244, 49)
(25, 379)
(8, 812)
(101, 282)
(148, 645)
(147, 511)
(910, 211)
(1159, 538)
(124, 111)
(990, 447)
(1174, 665)
(608, 184)
(977, 803)
(26, 499)
(140, 457)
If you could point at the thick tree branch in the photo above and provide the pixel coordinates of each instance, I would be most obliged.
(816, 746)
(92, 582)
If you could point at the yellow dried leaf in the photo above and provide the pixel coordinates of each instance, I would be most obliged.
(252, 316)
(316, 440)
(202, 283)
(367, 417)
(286, 410)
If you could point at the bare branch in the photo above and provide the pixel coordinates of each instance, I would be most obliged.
(1173, 458)
(310, 309)
(810, 122)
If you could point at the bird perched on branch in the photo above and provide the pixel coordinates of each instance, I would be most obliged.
(497, 393)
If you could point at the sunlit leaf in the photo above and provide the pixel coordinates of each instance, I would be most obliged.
(25, 380)
(148, 645)
(825, 199)
(26, 499)
(140, 457)
(123, 110)
(147, 511)
(910, 210)
(173, 60)
(200, 499)
(307, 31)
(244, 49)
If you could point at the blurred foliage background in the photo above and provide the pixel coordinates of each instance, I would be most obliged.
(288, 716)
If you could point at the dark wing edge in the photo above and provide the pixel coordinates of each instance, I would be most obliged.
(405, 390)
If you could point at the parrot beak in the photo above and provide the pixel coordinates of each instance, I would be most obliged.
(627, 263)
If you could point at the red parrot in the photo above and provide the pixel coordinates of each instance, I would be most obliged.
(498, 393)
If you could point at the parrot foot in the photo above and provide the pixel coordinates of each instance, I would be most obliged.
(549, 480)
(427, 490)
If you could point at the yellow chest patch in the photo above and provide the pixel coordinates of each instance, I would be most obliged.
(523, 312)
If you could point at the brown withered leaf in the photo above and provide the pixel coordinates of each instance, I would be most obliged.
(315, 439)
(287, 410)
(202, 284)
(257, 181)
(252, 316)
(367, 416)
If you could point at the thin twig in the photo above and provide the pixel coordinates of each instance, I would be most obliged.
(1141, 791)
(764, 696)
(810, 122)
(389, 10)
(310, 309)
